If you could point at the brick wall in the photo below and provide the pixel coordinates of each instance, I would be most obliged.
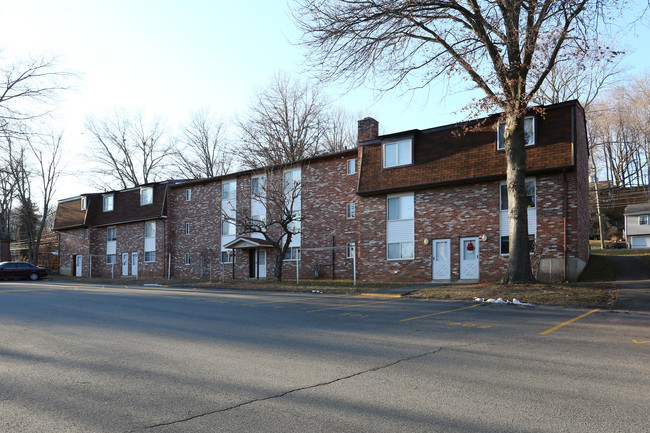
(465, 211)
(73, 243)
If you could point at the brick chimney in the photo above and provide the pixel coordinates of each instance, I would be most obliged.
(368, 129)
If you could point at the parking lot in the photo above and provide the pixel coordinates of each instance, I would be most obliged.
(83, 357)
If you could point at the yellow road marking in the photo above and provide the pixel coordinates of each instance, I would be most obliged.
(380, 295)
(441, 312)
(568, 322)
(641, 342)
(356, 305)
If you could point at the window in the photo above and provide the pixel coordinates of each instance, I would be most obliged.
(643, 220)
(529, 133)
(149, 256)
(293, 254)
(530, 194)
(397, 153)
(505, 244)
(292, 182)
(187, 228)
(86, 233)
(227, 256)
(349, 250)
(228, 190)
(295, 223)
(187, 258)
(111, 234)
(351, 211)
(400, 250)
(228, 227)
(150, 229)
(257, 186)
(84, 203)
(400, 207)
(188, 195)
(351, 167)
(146, 196)
(111, 259)
(108, 202)
(259, 221)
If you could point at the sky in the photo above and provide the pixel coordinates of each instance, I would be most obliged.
(170, 58)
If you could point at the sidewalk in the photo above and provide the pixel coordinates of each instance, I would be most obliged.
(633, 284)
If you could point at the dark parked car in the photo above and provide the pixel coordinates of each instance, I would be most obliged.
(21, 270)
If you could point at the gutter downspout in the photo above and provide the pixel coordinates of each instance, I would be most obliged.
(564, 221)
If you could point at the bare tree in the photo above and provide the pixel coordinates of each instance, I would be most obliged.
(7, 190)
(204, 152)
(583, 77)
(278, 217)
(128, 150)
(42, 175)
(285, 123)
(28, 89)
(506, 48)
(340, 134)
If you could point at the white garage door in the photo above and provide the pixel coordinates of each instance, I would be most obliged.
(640, 242)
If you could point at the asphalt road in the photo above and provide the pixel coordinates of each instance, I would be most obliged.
(85, 358)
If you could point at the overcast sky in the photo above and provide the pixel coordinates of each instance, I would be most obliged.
(171, 58)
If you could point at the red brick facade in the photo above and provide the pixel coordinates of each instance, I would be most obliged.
(454, 178)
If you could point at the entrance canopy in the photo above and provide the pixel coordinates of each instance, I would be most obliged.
(248, 243)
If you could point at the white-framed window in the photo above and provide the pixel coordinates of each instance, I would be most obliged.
(530, 194)
(400, 250)
(259, 221)
(187, 259)
(111, 234)
(351, 211)
(529, 133)
(400, 226)
(187, 228)
(349, 250)
(643, 220)
(188, 195)
(111, 259)
(505, 245)
(295, 223)
(398, 153)
(228, 190)
(150, 241)
(84, 202)
(258, 186)
(292, 255)
(228, 256)
(228, 227)
(150, 229)
(108, 202)
(146, 195)
(351, 166)
(400, 207)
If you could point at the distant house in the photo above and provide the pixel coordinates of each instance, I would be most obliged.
(637, 225)
(5, 253)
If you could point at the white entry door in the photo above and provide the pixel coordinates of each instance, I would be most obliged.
(125, 263)
(469, 262)
(261, 263)
(134, 264)
(78, 265)
(441, 261)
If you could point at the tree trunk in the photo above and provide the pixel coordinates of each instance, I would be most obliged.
(519, 269)
(277, 269)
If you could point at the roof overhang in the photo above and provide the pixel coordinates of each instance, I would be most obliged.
(248, 243)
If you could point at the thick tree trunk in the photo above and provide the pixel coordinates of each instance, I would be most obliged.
(519, 269)
(277, 269)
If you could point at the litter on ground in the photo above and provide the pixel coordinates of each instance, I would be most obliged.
(514, 301)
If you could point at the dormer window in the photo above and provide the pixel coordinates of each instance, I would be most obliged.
(529, 133)
(146, 196)
(398, 153)
(108, 202)
(84, 203)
